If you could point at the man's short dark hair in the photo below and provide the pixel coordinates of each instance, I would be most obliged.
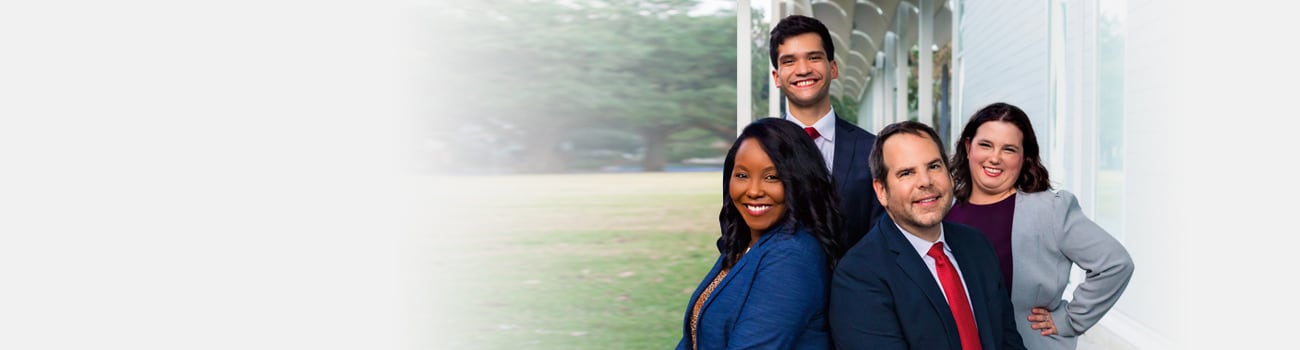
(877, 160)
(795, 25)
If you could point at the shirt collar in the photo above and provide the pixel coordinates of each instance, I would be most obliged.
(923, 246)
(825, 126)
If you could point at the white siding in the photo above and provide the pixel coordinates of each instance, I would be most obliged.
(1005, 48)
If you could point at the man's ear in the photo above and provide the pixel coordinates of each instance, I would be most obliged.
(881, 196)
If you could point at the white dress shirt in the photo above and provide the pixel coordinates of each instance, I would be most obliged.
(826, 127)
(923, 249)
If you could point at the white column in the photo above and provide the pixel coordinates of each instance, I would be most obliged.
(925, 64)
(890, 79)
(900, 62)
(1054, 155)
(900, 79)
(774, 98)
(878, 93)
(744, 103)
(866, 111)
(958, 115)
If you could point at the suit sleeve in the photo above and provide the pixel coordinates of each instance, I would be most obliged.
(788, 292)
(1109, 268)
(862, 312)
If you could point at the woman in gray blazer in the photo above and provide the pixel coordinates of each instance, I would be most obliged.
(1002, 189)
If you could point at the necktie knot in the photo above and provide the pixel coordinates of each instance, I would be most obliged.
(936, 252)
(812, 132)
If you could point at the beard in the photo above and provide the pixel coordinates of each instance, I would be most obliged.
(921, 220)
(912, 217)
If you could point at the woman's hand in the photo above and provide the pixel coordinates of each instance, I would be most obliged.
(1041, 319)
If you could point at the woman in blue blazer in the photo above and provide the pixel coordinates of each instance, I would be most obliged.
(768, 288)
(1002, 189)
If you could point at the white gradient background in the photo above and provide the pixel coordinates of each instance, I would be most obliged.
(1229, 194)
(228, 174)
(199, 175)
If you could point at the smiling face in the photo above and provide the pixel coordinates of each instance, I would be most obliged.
(756, 189)
(996, 156)
(916, 190)
(804, 72)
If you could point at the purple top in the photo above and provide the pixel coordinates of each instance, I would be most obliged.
(994, 220)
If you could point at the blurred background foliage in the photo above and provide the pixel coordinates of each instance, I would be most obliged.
(576, 86)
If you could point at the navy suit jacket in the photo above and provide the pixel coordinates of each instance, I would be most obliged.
(852, 173)
(884, 297)
(773, 298)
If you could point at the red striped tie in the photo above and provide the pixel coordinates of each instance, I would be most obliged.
(956, 294)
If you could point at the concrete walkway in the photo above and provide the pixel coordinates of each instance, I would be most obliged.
(1100, 338)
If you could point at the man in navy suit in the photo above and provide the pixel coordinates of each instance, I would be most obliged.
(803, 66)
(914, 281)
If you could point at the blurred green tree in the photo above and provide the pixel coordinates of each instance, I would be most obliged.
(544, 68)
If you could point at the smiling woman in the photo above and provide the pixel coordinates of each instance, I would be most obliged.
(1003, 189)
(779, 241)
(756, 189)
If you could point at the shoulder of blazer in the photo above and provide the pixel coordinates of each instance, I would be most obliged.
(846, 129)
(961, 234)
(1045, 213)
(788, 236)
(963, 229)
(1041, 196)
(883, 238)
(1050, 202)
(858, 139)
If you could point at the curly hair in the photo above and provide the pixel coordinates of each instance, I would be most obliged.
(1033, 175)
(809, 189)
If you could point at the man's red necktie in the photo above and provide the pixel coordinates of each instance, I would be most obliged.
(812, 132)
(957, 302)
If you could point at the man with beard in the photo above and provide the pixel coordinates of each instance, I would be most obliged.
(914, 281)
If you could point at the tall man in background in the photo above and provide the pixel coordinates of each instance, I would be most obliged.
(803, 65)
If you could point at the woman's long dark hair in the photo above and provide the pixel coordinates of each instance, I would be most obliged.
(810, 195)
(1033, 175)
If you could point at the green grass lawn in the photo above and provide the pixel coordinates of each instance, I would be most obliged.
(560, 261)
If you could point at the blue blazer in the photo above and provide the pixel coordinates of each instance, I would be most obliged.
(884, 297)
(773, 298)
(852, 175)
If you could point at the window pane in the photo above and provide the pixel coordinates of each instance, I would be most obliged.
(1110, 116)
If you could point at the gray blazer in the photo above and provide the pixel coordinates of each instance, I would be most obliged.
(1048, 234)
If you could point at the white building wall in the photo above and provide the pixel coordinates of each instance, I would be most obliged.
(1148, 118)
(1005, 51)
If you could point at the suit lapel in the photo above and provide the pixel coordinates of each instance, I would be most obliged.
(1025, 240)
(915, 269)
(845, 145)
(735, 272)
(974, 279)
(695, 297)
